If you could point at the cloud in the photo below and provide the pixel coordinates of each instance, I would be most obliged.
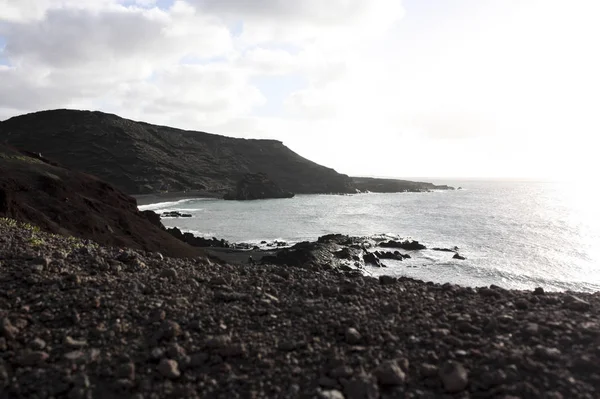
(69, 37)
(360, 76)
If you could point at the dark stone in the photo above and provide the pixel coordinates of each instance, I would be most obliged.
(406, 245)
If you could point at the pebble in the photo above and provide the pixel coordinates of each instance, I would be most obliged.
(389, 373)
(175, 351)
(360, 388)
(37, 344)
(546, 353)
(341, 372)
(33, 358)
(168, 273)
(169, 368)
(170, 329)
(574, 303)
(428, 370)
(531, 329)
(352, 336)
(330, 394)
(7, 329)
(73, 343)
(126, 370)
(74, 355)
(454, 376)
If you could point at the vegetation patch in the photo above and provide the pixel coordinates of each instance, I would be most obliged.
(20, 158)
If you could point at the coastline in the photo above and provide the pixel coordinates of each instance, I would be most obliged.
(147, 199)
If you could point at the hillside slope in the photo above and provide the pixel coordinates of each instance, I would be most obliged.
(61, 201)
(142, 158)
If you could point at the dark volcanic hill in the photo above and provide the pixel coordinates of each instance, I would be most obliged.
(140, 158)
(70, 203)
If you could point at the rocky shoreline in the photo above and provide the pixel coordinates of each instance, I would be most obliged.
(80, 320)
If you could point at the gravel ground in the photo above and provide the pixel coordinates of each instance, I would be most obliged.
(83, 321)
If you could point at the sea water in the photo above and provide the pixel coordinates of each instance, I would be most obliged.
(513, 234)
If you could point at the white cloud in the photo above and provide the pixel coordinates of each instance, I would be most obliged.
(491, 81)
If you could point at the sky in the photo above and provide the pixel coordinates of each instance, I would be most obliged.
(412, 88)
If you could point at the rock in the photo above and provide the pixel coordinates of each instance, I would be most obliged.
(360, 388)
(538, 291)
(341, 372)
(73, 343)
(330, 394)
(428, 370)
(33, 358)
(574, 303)
(8, 330)
(175, 351)
(175, 214)
(352, 336)
(457, 256)
(126, 370)
(157, 353)
(445, 249)
(522, 304)
(74, 355)
(406, 245)
(218, 342)
(531, 329)
(169, 368)
(387, 280)
(488, 292)
(389, 373)
(169, 273)
(254, 186)
(371, 259)
(546, 353)
(454, 376)
(170, 329)
(37, 344)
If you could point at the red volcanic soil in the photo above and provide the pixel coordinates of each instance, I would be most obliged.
(58, 200)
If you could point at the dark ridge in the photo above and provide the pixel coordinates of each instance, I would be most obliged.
(37, 191)
(140, 158)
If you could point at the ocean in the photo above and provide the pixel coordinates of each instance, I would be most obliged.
(517, 235)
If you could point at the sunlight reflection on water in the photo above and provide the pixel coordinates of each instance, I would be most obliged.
(514, 234)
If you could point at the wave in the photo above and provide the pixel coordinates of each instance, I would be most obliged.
(167, 204)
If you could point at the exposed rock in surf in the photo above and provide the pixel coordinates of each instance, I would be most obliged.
(406, 245)
(175, 214)
(453, 249)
